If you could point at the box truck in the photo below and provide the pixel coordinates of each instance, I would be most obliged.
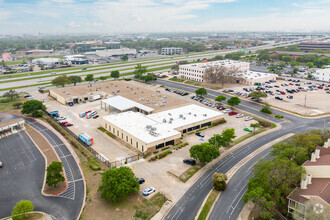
(84, 137)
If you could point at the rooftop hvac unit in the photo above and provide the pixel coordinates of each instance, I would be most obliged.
(147, 100)
(63, 91)
(164, 101)
(204, 115)
(169, 114)
(148, 127)
(127, 86)
(68, 93)
(181, 116)
(184, 118)
(137, 87)
(118, 90)
(159, 95)
(141, 91)
(131, 88)
(142, 99)
(195, 115)
(164, 96)
(189, 113)
(170, 122)
(171, 119)
(164, 120)
(161, 105)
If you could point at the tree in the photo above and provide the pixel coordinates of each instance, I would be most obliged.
(295, 70)
(75, 79)
(219, 181)
(32, 107)
(233, 101)
(223, 139)
(258, 94)
(54, 174)
(17, 105)
(266, 109)
(204, 153)
(220, 98)
(282, 64)
(124, 58)
(254, 126)
(285, 150)
(114, 74)
(103, 78)
(307, 141)
(118, 183)
(175, 67)
(201, 92)
(89, 77)
(310, 65)
(11, 94)
(309, 76)
(220, 74)
(60, 81)
(139, 71)
(273, 180)
(21, 209)
(148, 78)
(286, 59)
(320, 62)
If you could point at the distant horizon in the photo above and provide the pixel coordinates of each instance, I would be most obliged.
(61, 17)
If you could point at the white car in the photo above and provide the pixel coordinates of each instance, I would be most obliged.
(240, 115)
(148, 191)
(1, 165)
(248, 118)
(227, 110)
(61, 118)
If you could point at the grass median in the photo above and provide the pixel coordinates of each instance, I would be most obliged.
(208, 204)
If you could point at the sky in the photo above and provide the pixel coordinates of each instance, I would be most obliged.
(135, 16)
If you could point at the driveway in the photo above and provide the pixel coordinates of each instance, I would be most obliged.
(23, 174)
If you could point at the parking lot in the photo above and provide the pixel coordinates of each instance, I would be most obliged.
(305, 98)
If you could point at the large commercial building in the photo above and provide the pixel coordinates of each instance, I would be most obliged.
(315, 45)
(315, 187)
(171, 50)
(322, 75)
(196, 71)
(11, 127)
(47, 61)
(147, 133)
(112, 45)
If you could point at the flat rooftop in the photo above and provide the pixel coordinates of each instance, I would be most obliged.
(164, 123)
(256, 75)
(10, 122)
(130, 90)
(225, 63)
(122, 104)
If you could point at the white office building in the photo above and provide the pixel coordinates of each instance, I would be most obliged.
(322, 74)
(171, 50)
(196, 71)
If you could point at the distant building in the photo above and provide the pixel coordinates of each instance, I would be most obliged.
(112, 45)
(81, 47)
(5, 57)
(315, 187)
(315, 45)
(113, 52)
(46, 61)
(34, 52)
(171, 50)
(294, 55)
(322, 75)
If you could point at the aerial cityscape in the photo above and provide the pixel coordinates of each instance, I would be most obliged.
(164, 110)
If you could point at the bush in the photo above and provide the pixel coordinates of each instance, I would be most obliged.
(219, 181)
(101, 129)
(111, 135)
(278, 116)
(164, 154)
(155, 152)
(192, 132)
(21, 209)
(265, 123)
(266, 110)
(6, 100)
(165, 148)
(38, 114)
(93, 163)
(153, 158)
(17, 105)
(222, 121)
(127, 79)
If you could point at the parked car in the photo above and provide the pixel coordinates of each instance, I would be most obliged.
(95, 116)
(189, 161)
(233, 113)
(67, 125)
(240, 115)
(63, 122)
(247, 129)
(227, 110)
(27, 96)
(279, 98)
(221, 108)
(199, 134)
(248, 118)
(60, 118)
(290, 97)
(141, 180)
(148, 191)
(84, 69)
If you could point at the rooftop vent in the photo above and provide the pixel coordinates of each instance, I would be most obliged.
(189, 113)
(195, 115)
(164, 120)
(181, 116)
(184, 118)
(204, 115)
(169, 114)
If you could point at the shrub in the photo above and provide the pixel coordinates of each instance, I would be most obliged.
(93, 163)
(265, 123)
(38, 114)
(153, 158)
(219, 181)
(278, 116)
(101, 129)
(111, 135)
(192, 132)
(155, 152)
(165, 148)
(222, 121)
(127, 79)
(164, 154)
(266, 110)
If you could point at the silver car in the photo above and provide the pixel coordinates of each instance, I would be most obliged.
(248, 118)
(240, 115)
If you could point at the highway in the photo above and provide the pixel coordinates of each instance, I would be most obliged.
(189, 204)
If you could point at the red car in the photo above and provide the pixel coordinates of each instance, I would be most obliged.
(291, 84)
(283, 93)
(63, 122)
(67, 125)
(221, 108)
(233, 113)
(320, 87)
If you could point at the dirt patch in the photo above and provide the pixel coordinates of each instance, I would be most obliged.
(34, 216)
(49, 153)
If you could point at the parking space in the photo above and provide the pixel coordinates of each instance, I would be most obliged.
(298, 96)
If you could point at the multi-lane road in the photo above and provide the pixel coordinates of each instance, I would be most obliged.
(230, 203)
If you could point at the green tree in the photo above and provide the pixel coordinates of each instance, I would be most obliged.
(233, 101)
(118, 183)
(32, 107)
(148, 78)
(204, 153)
(124, 58)
(285, 150)
(266, 109)
(201, 92)
(139, 71)
(320, 62)
(254, 126)
(273, 180)
(175, 67)
(310, 65)
(103, 78)
(282, 64)
(54, 174)
(309, 76)
(220, 98)
(89, 77)
(286, 59)
(219, 181)
(60, 81)
(114, 74)
(258, 94)
(75, 79)
(307, 141)
(295, 70)
(11, 94)
(21, 209)
(223, 139)
(17, 105)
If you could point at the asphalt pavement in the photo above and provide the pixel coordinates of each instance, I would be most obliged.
(23, 174)
(189, 204)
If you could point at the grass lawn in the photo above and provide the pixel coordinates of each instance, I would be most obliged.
(8, 107)
(208, 204)
(148, 208)
(189, 173)
(177, 80)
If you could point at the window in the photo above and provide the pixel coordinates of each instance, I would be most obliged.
(106, 127)
(113, 130)
(117, 133)
(142, 148)
(131, 141)
(137, 145)
(122, 136)
(126, 138)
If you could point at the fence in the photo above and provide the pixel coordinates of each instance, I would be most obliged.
(100, 157)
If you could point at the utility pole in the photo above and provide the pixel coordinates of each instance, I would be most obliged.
(305, 101)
